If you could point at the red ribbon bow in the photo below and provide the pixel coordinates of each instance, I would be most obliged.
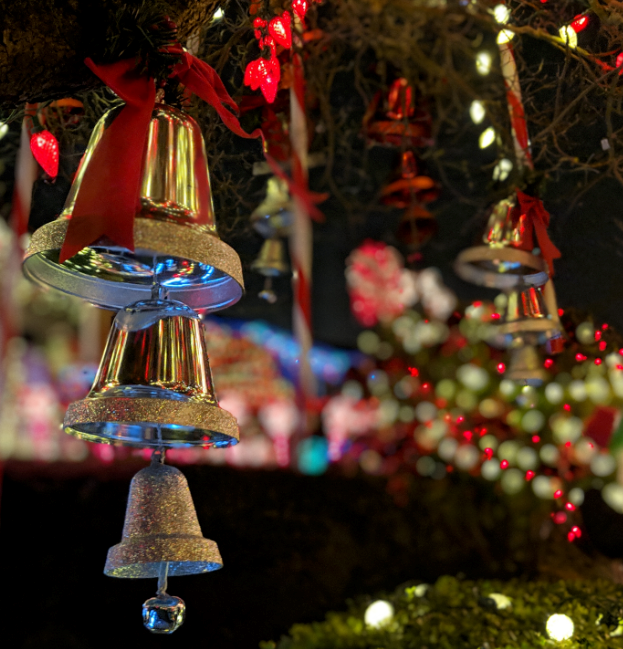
(109, 195)
(536, 222)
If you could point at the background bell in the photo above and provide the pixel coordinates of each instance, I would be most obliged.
(176, 242)
(525, 366)
(161, 527)
(273, 216)
(525, 312)
(500, 263)
(271, 261)
(154, 387)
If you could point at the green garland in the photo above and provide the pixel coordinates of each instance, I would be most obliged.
(455, 614)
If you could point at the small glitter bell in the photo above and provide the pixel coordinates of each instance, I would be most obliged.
(273, 216)
(161, 533)
(271, 261)
(163, 613)
(501, 263)
(175, 237)
(154, 387)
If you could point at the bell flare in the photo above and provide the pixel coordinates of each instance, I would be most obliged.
(154, 387)
(501, 262)
(161, 530)
(175, 237)
(271, 262)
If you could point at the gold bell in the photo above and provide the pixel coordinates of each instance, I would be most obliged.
(176, 242)
(161, 530)
(525, 312)
(525, 366)
(500, 263)
(273, 216)
(271, 261)
(154, 387)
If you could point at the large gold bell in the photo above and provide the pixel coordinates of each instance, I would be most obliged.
(175, 237)
(500, 263)
(154, 387)
(525, 366)
(271, 261)
(161, 530)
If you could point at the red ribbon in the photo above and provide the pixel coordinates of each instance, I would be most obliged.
(536, 222)
(109, 195)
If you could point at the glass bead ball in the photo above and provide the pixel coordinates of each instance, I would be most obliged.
(163, 613)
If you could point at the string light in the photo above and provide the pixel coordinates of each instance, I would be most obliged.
(559, 627)
(477, 111)
(44, 147)
(487, 138)
(579, 23)
(569, 36)
(483, 63)
(378, 614)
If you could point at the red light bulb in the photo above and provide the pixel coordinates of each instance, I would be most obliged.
(279, 28)
(44, 147)
(579, 23)
(299, 7)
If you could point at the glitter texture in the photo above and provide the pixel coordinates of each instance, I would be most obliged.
(161, 526)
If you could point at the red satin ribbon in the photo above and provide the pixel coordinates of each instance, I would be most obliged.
(536, 222)
(109, 194)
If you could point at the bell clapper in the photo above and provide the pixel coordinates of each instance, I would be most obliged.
(163, 613)
(267, 292)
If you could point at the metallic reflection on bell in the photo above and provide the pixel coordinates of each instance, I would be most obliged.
(271, 261)
(164, 613)
(175, 235)
(161, 531)
(525, 312)
(500, 263)
(525, 366)
(154, 387)
(273, 216)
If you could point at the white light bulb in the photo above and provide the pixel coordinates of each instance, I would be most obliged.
(378, 614)
(568, 35)
(501, 13)
(218, 14)
(559, 627)
(477, 111)
(487, 138)
(4, 129)
(502, 169)
(483, 63)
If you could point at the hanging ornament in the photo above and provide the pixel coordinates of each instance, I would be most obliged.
(44, 147)
(161, 538)
(526, 314)
(174, 226)
(506, 259)
(394, 120)
(525, 366)
(154, 386)
(408, 186)
(416, 227)
(273, 220)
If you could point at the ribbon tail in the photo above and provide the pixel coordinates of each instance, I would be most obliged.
(548, 249)
(108, 197)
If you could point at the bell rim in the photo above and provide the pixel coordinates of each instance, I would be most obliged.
(172, 239)
(465, 268)
(127, 410)
(139, 557)
(542, 324)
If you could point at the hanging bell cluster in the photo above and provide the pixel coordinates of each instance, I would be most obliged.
(154, 388)
(272, 219)
(530, 314)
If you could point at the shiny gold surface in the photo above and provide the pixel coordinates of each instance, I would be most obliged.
(161, 526)
(272, 259)
(525, 311)
(154, 386)
(176, 242)
(500, 229)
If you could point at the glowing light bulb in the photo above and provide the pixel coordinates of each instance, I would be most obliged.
(559, 627)
(504, 36)
(483, 62)
(502, 169)
(501, 13)
(569, 36)
(4, 129)
(44, 147)
(218, 15)
(487, 138)
(579, 23)
(378, 614)
(477, 111)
